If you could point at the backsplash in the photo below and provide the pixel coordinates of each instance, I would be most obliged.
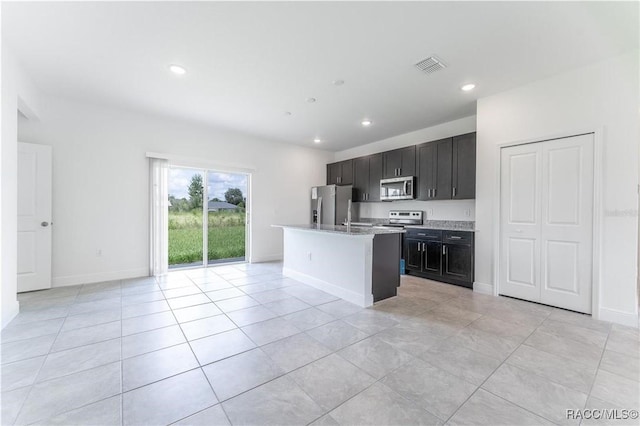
(457, 210)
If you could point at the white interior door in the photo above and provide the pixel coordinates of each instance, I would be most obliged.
(520, 228)
(567, 214)
(34, 217)
(547, 221)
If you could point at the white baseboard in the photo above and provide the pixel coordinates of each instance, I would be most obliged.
(99, 277)
(619, 317)
(10, 312)
(267, 258)
(349, 296)
(483, 288)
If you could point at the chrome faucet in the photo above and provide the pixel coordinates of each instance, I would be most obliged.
(349, 215)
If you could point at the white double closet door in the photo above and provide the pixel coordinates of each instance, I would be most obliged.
(546, 241)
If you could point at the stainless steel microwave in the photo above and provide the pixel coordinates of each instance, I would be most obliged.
(398, 188)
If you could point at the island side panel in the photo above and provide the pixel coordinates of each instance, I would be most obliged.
(386, 266)
(339, 264)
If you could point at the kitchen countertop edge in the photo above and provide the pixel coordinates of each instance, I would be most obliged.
(342, 230)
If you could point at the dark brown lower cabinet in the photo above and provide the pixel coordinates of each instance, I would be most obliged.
(445, 256)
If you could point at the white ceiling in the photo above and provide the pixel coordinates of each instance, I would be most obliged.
(249, 62)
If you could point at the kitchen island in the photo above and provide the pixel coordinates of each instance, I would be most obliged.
(359, 265)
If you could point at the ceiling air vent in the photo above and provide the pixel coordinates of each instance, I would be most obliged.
(430, 65)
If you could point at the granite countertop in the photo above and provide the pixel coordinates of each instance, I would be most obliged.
(445, 225)
(342, 229)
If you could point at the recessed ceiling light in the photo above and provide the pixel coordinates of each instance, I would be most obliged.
(366, 122)
(467, 87)
(177, 69)
(338, 82)
(311, 100)
(317, 140)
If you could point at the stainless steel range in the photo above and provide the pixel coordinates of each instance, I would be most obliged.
(405, 217)
(402, 218)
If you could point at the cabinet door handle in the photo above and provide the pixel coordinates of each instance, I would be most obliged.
(422, 235)
(455, 237)
(419, 247)
(444, 250)
(454, 191)
(434, 192)
(424, 246)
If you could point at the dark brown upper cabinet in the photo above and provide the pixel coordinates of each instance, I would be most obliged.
(464, 167)
(434, 170)
(375, 174)
(367, 172)
(447, 168)
(340, 173)
(361, 178)
(399, 162)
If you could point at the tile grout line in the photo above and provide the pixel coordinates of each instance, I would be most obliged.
(595, 376)
(394, 316)
(197, 361)
(42, 365)
(494, 370)
(121, 395)
(502, 363)
(376, 381)
(40, 368)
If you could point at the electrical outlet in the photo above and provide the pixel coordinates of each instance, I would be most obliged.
(467, 212)
(309, 255)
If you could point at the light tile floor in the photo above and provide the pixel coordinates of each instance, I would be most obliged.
(241, 344)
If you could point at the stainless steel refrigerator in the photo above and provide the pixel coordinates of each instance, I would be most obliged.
(329, 204)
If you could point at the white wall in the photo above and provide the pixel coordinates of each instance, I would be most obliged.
(602, 95)
(101, 186)
(18, 93)
(336, 263)
(434, 210)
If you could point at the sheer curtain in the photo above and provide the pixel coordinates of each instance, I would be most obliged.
(159, 209)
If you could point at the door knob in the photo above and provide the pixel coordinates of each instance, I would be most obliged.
(44, 224)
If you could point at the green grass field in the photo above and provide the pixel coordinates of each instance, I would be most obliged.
(226, 236)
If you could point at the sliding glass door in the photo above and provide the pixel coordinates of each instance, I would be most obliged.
(219, 197)
(227, 217)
